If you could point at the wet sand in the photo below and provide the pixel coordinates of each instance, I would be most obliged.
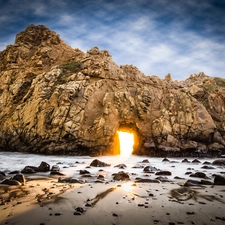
(48, 202)
(96, 196)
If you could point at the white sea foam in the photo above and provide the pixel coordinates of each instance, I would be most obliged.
(71, 165)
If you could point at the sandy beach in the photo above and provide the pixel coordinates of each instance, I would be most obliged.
(43, 200)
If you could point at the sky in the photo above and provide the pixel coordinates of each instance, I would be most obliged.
(180, 37)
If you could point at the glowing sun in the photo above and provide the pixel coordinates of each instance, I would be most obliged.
(126, 143)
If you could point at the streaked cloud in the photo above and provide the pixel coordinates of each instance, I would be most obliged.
(179, 37)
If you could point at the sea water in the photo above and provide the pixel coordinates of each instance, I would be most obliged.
(71, 165)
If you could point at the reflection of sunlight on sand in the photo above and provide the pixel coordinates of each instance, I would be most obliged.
(126, 143)
(127, 186)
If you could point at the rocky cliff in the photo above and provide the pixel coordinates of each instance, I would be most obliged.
(58, 100)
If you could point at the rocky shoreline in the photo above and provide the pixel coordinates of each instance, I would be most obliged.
(162, 191)
(58, 100)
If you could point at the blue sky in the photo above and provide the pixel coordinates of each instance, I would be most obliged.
(180, 37)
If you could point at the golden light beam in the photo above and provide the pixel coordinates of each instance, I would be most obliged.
(126, 143)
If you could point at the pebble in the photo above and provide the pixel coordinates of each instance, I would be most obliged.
(190, 213)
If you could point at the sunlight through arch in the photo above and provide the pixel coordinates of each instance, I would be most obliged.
(126, 143)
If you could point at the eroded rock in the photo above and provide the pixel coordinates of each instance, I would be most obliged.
(58, 100)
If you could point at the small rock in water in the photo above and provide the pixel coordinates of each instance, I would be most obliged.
(121, 176)
(121, 166)
(98, 163)
(150, 169)
(143, 180)
(43, 167)
(199, 175)
(163, 173)
(207, 167)
(84, 172)
(29, 169)
(207, 163)
(145, 161)
(219, 180)
(100, 177)
(2, 173)
(14, 172)
(219, 162)
(196, 161)
(185, 161)
(55, 168)
(165, 160)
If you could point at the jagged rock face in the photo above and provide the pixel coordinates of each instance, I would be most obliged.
(59, 100)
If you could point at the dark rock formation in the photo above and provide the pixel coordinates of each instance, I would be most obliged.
(98, 163)
(121, 176)
(58, 100)
(219, 162)
(219, 180)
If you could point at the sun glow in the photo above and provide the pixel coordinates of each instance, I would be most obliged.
(126, 143)
(127, 187)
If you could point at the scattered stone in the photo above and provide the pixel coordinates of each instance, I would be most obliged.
(178, 178)
(79, 210)
(2, 177)
(185, 161)
(219, 180)
(57, 173)
(144, 180)
(150, 169)
(115, 215)
(163, 173)
(82, 172)
(165, 160)
(220, 218)
(190, 183)
(141, 205)
(29, 170)
(188, 173)
(20, 178)
(14, 172)
(121, 176)
(121, 166)
(207, 167)
(11, 182)
(55, 168)
(2, 173)
(57, 214)
(207, 163)
(199, 175)
(206, 182)
(98, 163)
(196, 161)
(219, 162)
(145, 161)
(43, 167)
(163, 179)
(69, 180)
(100, 177)
(88, 205)
(190, 213)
